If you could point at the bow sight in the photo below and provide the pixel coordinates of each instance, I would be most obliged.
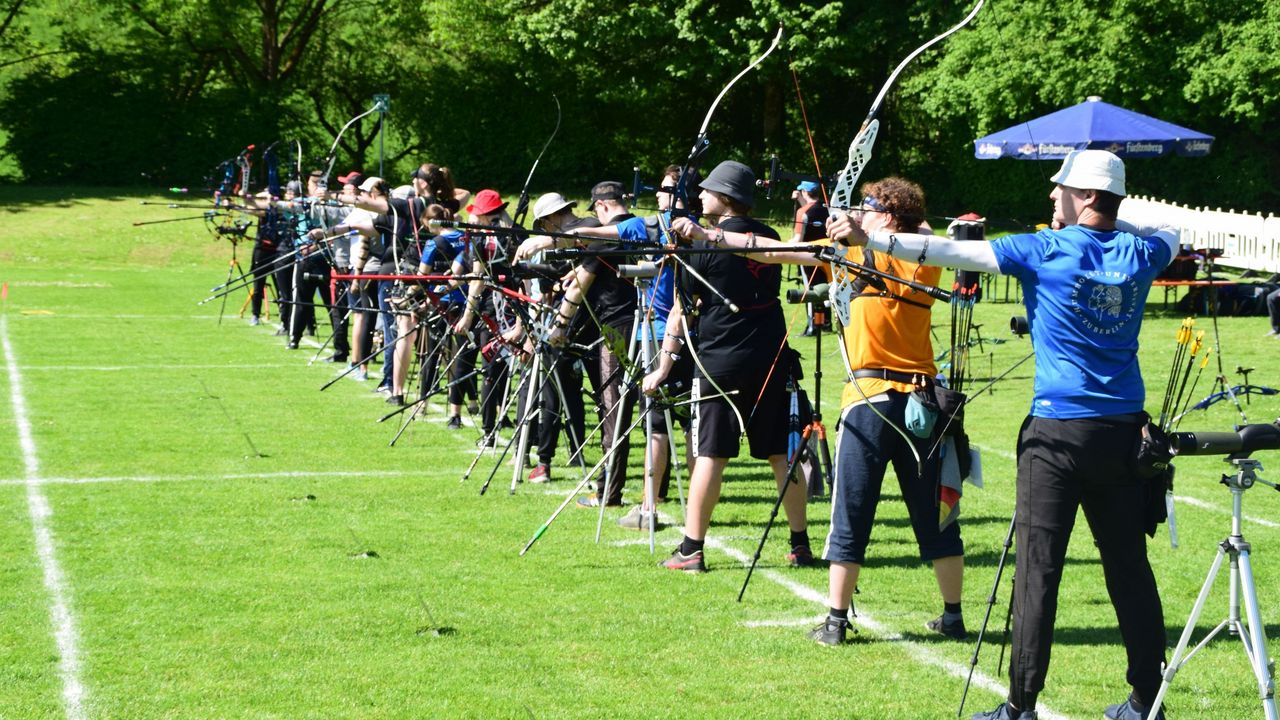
(774, 175)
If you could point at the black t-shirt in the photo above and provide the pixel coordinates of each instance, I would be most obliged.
(728, 342)
(612, 298)
(274, 231)
(397, 227)
(495, 251)
(815, 222)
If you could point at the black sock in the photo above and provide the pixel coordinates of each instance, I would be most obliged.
(838, 614)
(689, 546)
(799, 539)
(951, 607)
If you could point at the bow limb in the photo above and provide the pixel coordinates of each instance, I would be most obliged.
(706, 121)
(272, 163)
(860, 148)
(333, 149)
(522, 205)
(701, 144)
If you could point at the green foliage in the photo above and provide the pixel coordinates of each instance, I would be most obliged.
(178, 86)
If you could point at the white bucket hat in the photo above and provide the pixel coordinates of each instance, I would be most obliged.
(549, 205)
(1092, 170)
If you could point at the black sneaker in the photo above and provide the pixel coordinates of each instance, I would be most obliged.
(954, 630)
(455, 422)
(293, 345)
(487, 441)
(832, 631)
(1004, 713)
(688, 563)
(397, 400)
(801, 557)
(1130, 709)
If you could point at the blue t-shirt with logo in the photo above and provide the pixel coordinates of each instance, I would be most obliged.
(440, 255)
(1085, 291)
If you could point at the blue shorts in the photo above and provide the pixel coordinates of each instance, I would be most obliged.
(865, 445)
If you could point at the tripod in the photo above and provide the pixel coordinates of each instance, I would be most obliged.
(234, 269)
(1253, 633)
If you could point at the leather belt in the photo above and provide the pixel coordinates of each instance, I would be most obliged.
(890, 375)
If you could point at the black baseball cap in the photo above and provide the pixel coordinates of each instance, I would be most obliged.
(607, 190)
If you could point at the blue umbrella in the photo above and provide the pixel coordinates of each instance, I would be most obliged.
(1093, 125)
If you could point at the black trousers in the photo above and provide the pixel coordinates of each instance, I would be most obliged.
(264, 265)
(339, 315)
(553, 416)
(1273, 309)
(283, 276)
(493, 390)
(618, 396)
(1064, 465)
(313, 279)
(463, 367)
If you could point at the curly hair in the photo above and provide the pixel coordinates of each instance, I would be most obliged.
(901, 198)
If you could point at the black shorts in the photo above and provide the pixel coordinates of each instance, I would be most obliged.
(716, 432)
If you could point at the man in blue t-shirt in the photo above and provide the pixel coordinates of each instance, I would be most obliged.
(1085, 287)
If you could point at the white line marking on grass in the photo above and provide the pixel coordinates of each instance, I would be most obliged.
(229, 476)
(466, 421)
(119, 316)
(305, 340)
(59, 284)
(995, 451)
(1194, 502)
(64, 630)
(920, 652)
(784, 622)
(662, 530)
(561, 492)
(168, 366)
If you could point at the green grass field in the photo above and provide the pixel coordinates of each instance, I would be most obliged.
(203, 580)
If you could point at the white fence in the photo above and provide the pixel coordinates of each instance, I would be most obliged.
(1247, 242)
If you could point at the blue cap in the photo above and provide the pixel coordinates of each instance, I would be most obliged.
(807, 186)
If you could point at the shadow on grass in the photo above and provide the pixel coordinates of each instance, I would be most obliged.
(972, 559)
(1083, 636)
(21, 198)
